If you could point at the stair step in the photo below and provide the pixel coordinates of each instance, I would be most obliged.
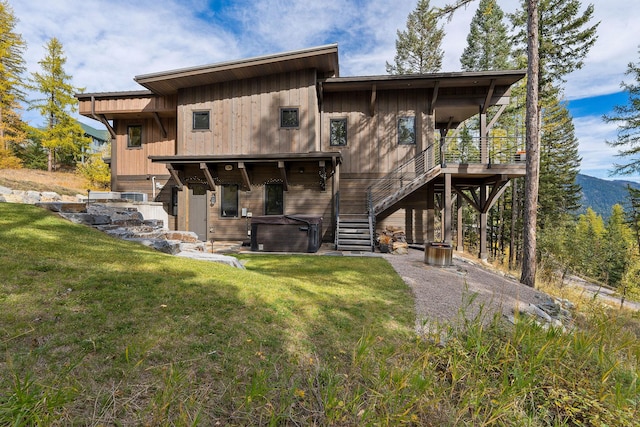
(366, 243)
(354, 248)
(353, 230)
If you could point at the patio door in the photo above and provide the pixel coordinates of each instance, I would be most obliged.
(198, 207)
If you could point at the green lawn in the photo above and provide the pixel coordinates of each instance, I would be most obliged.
(97, 331)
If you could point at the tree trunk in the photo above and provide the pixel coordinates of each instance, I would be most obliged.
(514, 219)
(528, 276)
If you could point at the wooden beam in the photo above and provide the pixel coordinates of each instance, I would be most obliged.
(434, 96)
(323, 175)
(245, 176)
(175, 176)
(496, 117)
(207, 174)
(105, 122)
(283, 175)
(495, 194)
(320, 93)
(372, 104)
(472, 202)
(487, 100)
(156, 116)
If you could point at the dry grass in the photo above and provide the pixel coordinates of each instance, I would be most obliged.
(65, 183)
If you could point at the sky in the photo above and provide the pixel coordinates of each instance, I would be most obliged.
(109, 42)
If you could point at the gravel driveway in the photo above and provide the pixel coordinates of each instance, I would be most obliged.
(441, 292)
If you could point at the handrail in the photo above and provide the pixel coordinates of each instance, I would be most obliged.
(402, 176)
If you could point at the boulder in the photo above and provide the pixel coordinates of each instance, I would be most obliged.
(205, 256)
(4, 190)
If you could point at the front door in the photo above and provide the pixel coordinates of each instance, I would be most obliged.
(198, 210)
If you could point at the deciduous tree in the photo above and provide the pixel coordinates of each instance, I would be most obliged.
(63, 135)
(12, 66)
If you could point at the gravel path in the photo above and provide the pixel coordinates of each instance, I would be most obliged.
(441, 292)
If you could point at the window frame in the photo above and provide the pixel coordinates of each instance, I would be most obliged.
(266, 199)
(284, 110)
(332, 140)
(401, 126)
(194, 113)
(224, 201)
(130, 135)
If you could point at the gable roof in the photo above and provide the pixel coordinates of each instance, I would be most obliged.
(322, 58)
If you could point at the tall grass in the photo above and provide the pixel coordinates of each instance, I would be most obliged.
(95, 331)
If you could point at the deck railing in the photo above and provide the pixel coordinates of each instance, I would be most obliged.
(403, 175)
(446, 151)
(467, 150)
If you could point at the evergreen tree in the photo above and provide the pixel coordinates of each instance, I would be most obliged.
(488, 45)
(12, 67)
(589, 244)
(419, 48)
(627, 117)
(63, 136)
(559, 194)
(566, 36)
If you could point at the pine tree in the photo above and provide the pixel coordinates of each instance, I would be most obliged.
(566, 36)
(63, 136)
(559, 194)
(488, 44)
(12, 66)
(419, 48)
(627, 117)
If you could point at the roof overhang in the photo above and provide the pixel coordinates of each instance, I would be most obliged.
(322, 58)
(451, 97)
(325, 161)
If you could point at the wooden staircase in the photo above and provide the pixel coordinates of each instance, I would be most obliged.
(354, 233)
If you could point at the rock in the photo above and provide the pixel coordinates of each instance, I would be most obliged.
(88, 219)
(31, 197)
(183, 236)
(4, 190)
(204, 256)
(50, 195)
(2, 199)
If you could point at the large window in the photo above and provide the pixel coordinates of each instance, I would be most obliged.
(338, 132)
(134, 136)
(201, 120)
(289, 118)
(274, 199)
(407, 130)
(229, 204)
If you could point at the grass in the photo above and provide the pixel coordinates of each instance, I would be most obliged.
(97, 331)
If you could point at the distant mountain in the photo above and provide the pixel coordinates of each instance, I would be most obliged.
(601, 194)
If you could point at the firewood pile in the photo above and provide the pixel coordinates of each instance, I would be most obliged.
(393, 240)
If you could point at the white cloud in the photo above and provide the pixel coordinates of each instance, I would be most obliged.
(108, 42)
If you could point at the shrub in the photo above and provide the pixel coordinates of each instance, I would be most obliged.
(96, 171)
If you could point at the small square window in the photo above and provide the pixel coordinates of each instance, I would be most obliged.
(338, 132)
(134, 136)
(407, 130)
(289, 118)
(200, 120)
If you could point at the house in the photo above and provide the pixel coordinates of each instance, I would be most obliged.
(285, 134)
(98, 138)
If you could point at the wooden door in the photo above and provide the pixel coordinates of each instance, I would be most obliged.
(198, 205)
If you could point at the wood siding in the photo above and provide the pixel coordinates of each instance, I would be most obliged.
(135, 161)
(245, 116)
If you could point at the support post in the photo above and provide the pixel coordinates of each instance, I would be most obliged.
(431, 217)
(483, 224)
(447, 214)
(408, 224)
(459, 234)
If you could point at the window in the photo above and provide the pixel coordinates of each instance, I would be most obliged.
(229, 204)
(289, 118)
(407, 130)
(200, 120)
(134, 136)
(174, 200)
(274, 199)
(338, 132)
